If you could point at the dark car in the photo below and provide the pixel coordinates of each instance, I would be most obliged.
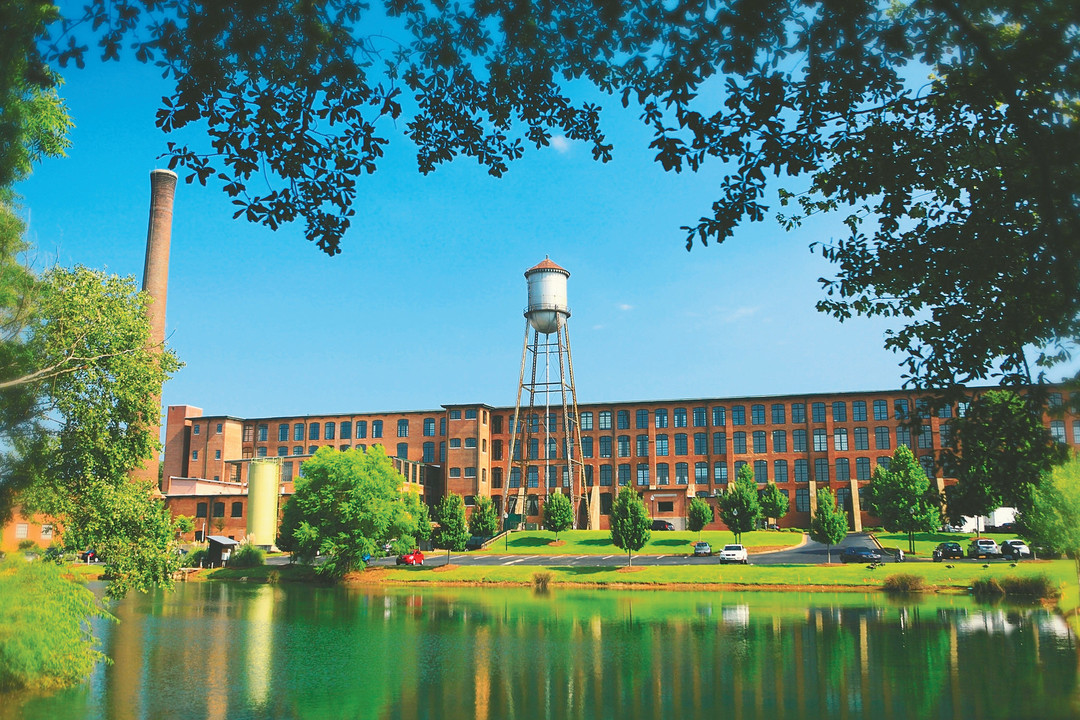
(662, 525)
(859, 554)
(411, 558)
(476, 542)
(948, 550)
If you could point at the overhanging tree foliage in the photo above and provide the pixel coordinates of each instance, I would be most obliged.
(1053, 519)
(903, 497)
(739, 508)
(946, 133)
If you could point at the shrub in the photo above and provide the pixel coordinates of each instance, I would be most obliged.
(1036, 586)
(248, 556)
(195, 558)
(540, 581)
(987, 588)
(904, 583)
(27, 545)
(273, 577)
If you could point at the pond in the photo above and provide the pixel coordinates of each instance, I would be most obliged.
(224, 650)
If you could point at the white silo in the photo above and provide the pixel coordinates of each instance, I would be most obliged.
(547, 310)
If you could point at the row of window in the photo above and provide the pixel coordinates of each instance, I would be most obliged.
(218, 508)
(343, 430)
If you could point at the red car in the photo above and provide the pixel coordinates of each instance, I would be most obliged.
(413, 558)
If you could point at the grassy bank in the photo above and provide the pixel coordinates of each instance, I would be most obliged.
(598, 542)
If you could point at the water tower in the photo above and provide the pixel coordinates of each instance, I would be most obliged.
(545, 447)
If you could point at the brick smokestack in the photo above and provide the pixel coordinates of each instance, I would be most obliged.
(156, 284)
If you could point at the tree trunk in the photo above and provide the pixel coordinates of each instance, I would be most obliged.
(629, 559)
(828, 554)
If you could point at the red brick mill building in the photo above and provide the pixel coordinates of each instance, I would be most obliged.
(668, 450)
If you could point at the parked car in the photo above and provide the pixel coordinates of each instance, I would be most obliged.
(411, 558)
(476, 542)
(702, 549)
(662, 525)
(89, 556)
(733, 553)
(859, 554)
(948, 550)
(1015, 549)
(983, 548)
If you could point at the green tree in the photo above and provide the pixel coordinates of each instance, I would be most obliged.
(999, 452)
(739, 508)
(774, 504)
(346, 505)
(558, 514)
(630, 523)
(1053, 518)
(451, 534)
(903, 497)
(184, 524)
(699, 514)
(829, 525)
(483, 521)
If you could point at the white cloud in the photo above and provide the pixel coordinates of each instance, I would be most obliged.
(560, 143)
(624, 307)
(739, 314)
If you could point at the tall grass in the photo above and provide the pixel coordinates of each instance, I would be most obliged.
(1033, 587)
(248, 556)
(903, 583)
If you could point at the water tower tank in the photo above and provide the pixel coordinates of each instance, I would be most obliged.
(547, 296)
(263, 482)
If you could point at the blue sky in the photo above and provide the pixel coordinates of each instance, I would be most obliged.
(424, 305)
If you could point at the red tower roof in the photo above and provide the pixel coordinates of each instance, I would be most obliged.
(546, 264)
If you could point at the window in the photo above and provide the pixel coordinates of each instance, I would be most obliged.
(455, 472)
(219, 509)
(515, 478)
(779, 441)
(661, 445)
(881, 438)
(195, 429)
(719, 472)
(22, 530)
(780, 471)
(843, 470)
(346, 430)
(839, 411)
(496, 478)
(802, 471)
(862, 438)
(719, 416)
(945, 412)
(881, 410)
(798, 440)
(496, 424)
(903, 435)
(429, 452)
(194, 454)
(817, 412)
(605, 446)
(586, 421)
(719, 443)
(298, 450)
(821, 440)
(200, 510)
(759, 442)
(237, 510)
(1057, 431)
(660, 418)
(313, 431)
(283, 432)
(701, 473)
(821, 470)
(624, 474)
(622, 418)
(260, 451)
(263, 432)
(665, 506)
(403, 451)
(442, 426)
(757, 414)
(534, 448)
(624, 445)
(470, 472)
(606, 478)
(282, 451)
(496, 449)
(329, 431)
(798, 412)
(738, 415)
(858, 411)
(922, 408)
(455, 414)
(840, 439)
(802, 500)
(682, 473)
(778, 414)
(217, 454)
(642, 420)
(429, 427)
(926, 440)
(944, 433)
(1054, 401)
(587, 447)
(680, 417)
(701, 443)
(901, 409)
(470, 443)
(1076, 432)
(376, 428)
(680, 444)
(298, 432)
(738, 442)
(312, 449)
(605, 502)
(843, 499)
(927, 462)
(361, 429)
(219, 428)
(605, 422)
(642, 474)
(455, 443)
(403, 428)
(862, 468)
(662, 474)
(470, 415)
(701, 417)
(761, 471)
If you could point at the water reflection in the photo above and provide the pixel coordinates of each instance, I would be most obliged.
(217, 650)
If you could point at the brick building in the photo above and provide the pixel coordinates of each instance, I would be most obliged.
(669, 451)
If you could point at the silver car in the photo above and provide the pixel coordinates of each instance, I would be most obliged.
(983, 548)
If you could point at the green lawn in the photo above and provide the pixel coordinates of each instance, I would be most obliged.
(926, 542)
(763, 576)
(598, 542)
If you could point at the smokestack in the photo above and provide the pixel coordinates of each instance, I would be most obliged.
(156, 284)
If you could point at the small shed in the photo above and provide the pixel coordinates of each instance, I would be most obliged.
(221, 547)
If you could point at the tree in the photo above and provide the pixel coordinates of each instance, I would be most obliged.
(484, 521)
(999, 452)
(739, 508)
(558, 514)
(699, 514)
(630, 523)
(956, 194)
(774, 504)
(903, 497)
(347, 505)
(1053, 518)
(829, 525)
(451, 534)
(183, 524)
